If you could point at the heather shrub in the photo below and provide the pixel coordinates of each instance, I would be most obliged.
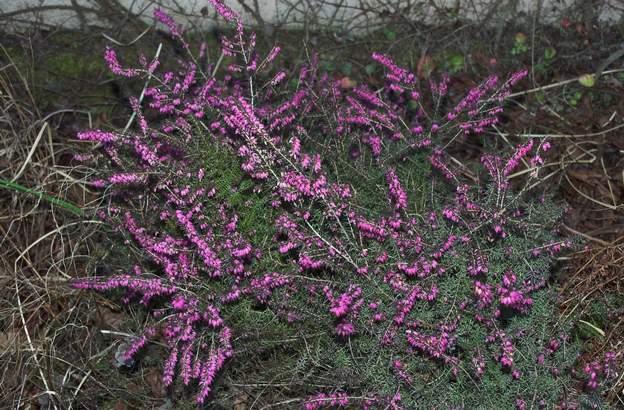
(255, 205)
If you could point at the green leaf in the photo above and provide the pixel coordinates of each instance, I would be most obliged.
(68, 206)
(346, 68)
(550, 53)
(540, 96)
(594, 328)
(575, 98)
(587, 80)
(390, 35)
(369, 69)
(329, 66)
(456, 62)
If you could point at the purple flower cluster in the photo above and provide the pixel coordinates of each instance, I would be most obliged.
(512, 297)
(396, 192)
(520, 153)
(97, 135)
(395, 73)
(205, 249)
(321, 400)
(124, 179)
(345, 308)
(435, 345)
(595, 370)
(113, 64)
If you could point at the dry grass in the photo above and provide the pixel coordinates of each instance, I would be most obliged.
(44, 242)
(593, 289)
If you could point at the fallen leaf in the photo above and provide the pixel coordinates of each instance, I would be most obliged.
(120, 359)
(240, 400)
(120, 406)
(347, 83)
(110, 319)
(154, 380)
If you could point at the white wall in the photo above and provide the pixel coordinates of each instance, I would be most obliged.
(189, 12)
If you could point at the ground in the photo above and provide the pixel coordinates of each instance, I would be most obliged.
(54, 83)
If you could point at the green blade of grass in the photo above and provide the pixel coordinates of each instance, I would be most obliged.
(68, 206)
(596, 329)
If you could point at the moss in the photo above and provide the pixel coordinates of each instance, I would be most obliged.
(75, 65)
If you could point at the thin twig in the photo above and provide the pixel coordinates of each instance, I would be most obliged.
(149, 77)
(30, 153)
(586, 236)
(558, 84)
